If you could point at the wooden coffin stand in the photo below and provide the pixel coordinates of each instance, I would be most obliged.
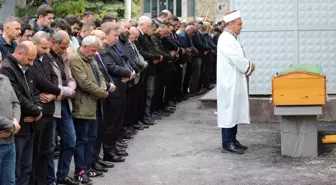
(298, 98)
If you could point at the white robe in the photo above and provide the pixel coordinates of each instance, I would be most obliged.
(232, 93)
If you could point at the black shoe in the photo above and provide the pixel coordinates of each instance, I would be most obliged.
(94, 173)
(121, 153)
(113, 157)
(164, 113)
(104, 164)
(128, 136)
(118, 148)
(67, 181)
(238, 145)
(232, 148)
(97, 167)
(122, 141)
(123, 145)
(83, 178)
(139, 127)
(156, 115)
(149, 121)
(143, 125)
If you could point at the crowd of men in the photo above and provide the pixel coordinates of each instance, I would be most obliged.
(93, 84)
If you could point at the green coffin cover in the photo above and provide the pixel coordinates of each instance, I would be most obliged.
(310, 68)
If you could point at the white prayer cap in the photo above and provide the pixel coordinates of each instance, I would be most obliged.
(231, 16)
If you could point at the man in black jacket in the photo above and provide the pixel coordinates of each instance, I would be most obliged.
(146, 49)
(16, 68)
(99, 164)
(197, 60)
(47, 84)
(115, 103)
(131, 110)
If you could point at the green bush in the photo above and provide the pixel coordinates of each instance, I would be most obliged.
(63, 8)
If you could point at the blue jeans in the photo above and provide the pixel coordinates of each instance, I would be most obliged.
(7, 164)
(24, 158)
(86, 133)
(229, 135)
(66, 131)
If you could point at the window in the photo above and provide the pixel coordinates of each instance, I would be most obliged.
(178, 8)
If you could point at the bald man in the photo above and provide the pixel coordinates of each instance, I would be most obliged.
(136, 106)
(17, 68)
(47, 84)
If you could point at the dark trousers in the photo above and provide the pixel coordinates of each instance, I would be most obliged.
(205, 71)
(187, 77)
(100, 135)
(196, 74)
(132, 106)
(157, 101)
(114, 109)
(169, 83)
(7, 164)
(86, 134)
(66, 130)
(177, 80)
(24, 156)
(43, 136)
(142, 95)
(229, 135)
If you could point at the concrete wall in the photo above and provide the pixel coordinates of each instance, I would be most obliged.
(8, 9)
(210, 8)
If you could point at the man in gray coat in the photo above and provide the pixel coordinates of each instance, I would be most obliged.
(9, 114)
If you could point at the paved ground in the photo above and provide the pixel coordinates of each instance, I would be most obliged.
(185, 149)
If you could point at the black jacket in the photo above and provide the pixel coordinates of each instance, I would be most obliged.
(145, 47)
(103, 69)
(46, 81)
(199, 43)
(24, 86)
(117, 69)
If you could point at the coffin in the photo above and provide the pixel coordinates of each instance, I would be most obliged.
(299, 88)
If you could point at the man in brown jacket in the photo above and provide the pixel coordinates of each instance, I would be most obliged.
(91, 87)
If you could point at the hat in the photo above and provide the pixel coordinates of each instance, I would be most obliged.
(231, 16)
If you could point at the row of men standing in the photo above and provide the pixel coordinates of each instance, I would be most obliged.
(119, 79)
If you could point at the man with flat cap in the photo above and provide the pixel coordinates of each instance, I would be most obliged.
(233, 70)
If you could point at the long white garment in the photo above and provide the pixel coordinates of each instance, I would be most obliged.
(232, 93)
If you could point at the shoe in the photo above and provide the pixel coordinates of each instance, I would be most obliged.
(168, 111)
(123, 145)
(143, 125)
(164, 113)
(171, 104)
(83, 178)
(131, 131)
(139, 127)
(67, 181)
(94, 173)
(128, 136)
(122, 141)
(156, 115)
(121, 153)
(232, 148)
(97, 167)
(169, 108)
(104, 164)
(118, 148)
(113, 157)
(148, 122)
(238, 145)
